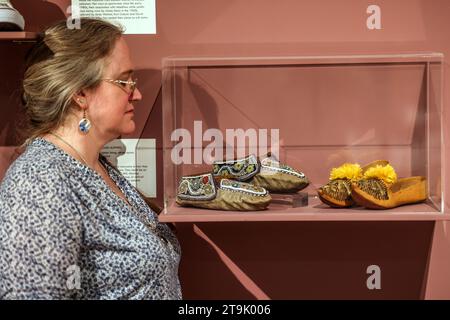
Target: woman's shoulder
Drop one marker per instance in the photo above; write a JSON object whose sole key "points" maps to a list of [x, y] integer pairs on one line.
{"points": [[39, 163], [38, 184]]}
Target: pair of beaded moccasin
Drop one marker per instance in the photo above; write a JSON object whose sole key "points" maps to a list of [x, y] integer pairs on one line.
{"points": [[240, 185], [374, 186]]}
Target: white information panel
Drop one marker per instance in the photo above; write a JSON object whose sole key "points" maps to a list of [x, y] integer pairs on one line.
{"points": [[136, 160], [136, 16]]}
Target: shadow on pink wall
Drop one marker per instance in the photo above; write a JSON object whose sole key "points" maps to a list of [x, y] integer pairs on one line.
{"points": [[310, 260]]}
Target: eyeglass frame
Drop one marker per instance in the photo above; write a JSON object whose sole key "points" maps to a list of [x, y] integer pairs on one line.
{"points": [[119, 83]]}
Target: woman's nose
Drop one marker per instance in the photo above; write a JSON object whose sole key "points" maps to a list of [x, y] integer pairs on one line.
{"points": [[137, 95]]}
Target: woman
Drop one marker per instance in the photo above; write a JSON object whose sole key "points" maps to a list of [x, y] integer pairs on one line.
{"points": [[71, 226]]}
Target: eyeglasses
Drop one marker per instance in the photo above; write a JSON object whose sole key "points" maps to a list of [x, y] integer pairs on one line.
{"points": [[127, 86]]}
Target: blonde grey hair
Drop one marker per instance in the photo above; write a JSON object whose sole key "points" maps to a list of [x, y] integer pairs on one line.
{"points": [[63, 62]]}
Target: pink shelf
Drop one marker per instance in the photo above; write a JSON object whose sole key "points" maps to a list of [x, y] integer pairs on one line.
{"points": [[315, 211], [23, 35]]}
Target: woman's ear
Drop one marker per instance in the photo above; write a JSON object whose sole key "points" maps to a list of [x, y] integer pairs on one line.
{"points": [[80, 99]]}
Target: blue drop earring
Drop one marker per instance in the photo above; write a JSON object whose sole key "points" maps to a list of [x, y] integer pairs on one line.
{"points": [[84, 125]]}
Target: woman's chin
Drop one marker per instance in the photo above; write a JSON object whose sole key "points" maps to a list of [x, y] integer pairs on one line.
{"points": [[128, 128]]}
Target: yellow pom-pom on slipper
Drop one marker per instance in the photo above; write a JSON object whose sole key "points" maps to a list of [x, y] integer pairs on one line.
{"points": [[385, 173], [350, 171]]}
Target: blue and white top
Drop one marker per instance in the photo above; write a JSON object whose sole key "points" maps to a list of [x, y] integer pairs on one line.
{"points": [[64, 234]]}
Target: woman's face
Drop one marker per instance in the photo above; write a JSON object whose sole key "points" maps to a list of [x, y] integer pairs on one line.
{"points": [[110, 107]]}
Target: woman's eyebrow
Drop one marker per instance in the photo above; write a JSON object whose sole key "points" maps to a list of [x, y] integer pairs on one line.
{"points": [[127, 72]]}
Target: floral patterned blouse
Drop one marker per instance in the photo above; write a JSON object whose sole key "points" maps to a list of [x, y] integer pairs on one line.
{"points": [[64, 234]]}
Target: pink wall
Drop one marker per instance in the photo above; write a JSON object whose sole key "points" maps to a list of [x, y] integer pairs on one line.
{"points": [[278, 260]]}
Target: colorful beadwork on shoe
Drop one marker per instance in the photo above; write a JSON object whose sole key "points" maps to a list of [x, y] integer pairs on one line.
{"points": [[242, 187], [273, 165], [375, 187], [339, 189], [197, 187], [241, 169]]}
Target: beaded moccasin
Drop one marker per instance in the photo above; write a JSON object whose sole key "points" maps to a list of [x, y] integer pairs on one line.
{"points": [[203, 191], [267, 173]]}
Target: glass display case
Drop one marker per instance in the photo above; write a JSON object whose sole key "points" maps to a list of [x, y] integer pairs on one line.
{"points": [[313, 113]]}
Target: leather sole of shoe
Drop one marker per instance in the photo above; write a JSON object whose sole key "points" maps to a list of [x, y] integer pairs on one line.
{"points": [[333, 202], [417, 195], [362, 201]]}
